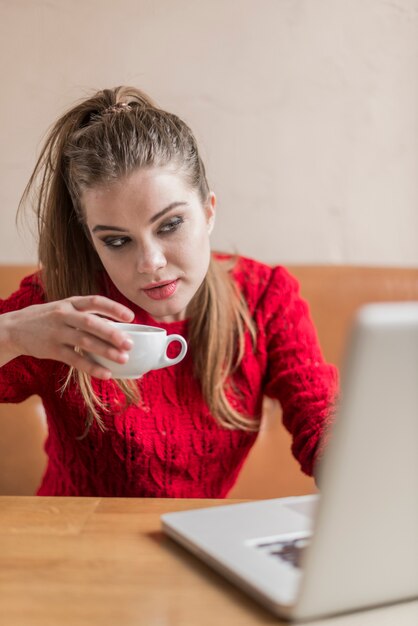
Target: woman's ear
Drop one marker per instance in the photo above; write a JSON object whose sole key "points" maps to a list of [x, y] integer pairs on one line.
{"points": [[210, 210]]}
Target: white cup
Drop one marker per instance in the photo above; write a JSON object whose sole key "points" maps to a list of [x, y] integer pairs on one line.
{"points": [[149, 351]]}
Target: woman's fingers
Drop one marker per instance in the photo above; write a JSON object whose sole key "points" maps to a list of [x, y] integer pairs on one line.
{"points": [[80, 362], [93, 326], [90, 343], [103, 306], [52, 330]]}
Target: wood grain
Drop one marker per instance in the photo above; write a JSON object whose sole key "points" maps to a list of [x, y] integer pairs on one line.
{"points": [[88, 561]]}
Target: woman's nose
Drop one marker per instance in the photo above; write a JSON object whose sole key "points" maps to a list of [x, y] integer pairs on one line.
{"points": [[150, 259]]}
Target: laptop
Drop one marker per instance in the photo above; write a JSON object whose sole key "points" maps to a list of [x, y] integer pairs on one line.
{"points": [[356, 544]]}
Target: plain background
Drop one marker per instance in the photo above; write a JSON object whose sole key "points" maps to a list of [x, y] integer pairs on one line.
{"points": [[305, 110]]}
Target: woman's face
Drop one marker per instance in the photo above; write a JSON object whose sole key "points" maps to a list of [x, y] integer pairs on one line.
{"points": [[151, 233]]}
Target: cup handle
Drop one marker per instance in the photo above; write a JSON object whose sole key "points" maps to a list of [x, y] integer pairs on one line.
{"points": [[165, 361]]}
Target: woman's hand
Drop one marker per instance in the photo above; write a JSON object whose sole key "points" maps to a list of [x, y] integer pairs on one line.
{"points": [[55, 330]]}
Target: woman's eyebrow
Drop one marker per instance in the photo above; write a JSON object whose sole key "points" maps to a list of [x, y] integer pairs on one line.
{"points": [[157, 216], [100, 227], [173, 205]]}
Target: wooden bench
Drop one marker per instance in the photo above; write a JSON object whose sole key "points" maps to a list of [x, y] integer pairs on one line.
{"points": [[334, 294]]}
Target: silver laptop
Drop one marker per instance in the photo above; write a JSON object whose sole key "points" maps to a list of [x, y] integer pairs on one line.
{"points": [[355, 545]]}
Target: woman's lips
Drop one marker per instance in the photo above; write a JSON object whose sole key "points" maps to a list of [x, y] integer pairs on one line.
{"points": [[162, 291]]}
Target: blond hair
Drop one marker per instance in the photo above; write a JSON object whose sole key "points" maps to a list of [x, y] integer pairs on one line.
{"points": [[100, 140]]}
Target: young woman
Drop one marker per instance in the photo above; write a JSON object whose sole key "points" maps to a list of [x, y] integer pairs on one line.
{"points": [[125, 214]]}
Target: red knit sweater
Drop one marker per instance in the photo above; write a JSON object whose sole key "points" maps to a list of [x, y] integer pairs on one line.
{"points": [[170, 445]]}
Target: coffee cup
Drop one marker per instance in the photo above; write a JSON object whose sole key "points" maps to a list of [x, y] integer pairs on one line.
{"points": [[148, 352]]}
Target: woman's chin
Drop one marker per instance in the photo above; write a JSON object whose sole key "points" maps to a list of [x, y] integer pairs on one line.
{"points": [[166, 312]]}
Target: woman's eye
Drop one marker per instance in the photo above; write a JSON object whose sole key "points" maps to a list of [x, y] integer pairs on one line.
{"points": [[115, 242], [170, 226]]}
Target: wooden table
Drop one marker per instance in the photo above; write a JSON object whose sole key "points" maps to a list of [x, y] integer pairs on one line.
{"points": [[88, 561]]}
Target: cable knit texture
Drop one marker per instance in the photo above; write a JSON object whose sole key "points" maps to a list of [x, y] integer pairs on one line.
{"points": [[170, 445]]}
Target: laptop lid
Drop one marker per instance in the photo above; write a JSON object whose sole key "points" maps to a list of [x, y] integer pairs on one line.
{"points": [[364, 549]]}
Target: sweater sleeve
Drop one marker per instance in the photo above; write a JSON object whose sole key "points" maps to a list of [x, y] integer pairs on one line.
{"points": [[22, 377], [297, 374]]}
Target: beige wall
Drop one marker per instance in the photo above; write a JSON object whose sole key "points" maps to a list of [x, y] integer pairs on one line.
{"points": [[306, 111]]}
